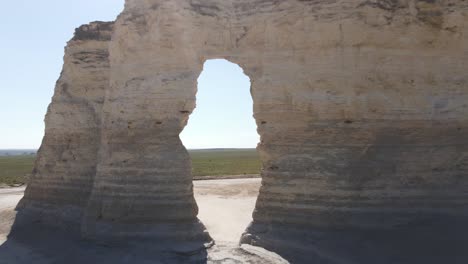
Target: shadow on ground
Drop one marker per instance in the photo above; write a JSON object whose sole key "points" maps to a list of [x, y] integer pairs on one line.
{"points": [[34, 241], [45, 245], [39, 244], [430, 244], [434, 241]]}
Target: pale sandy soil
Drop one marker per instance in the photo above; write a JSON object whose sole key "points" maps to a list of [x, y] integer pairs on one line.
{"points": [[9, 197], [225, 207]]}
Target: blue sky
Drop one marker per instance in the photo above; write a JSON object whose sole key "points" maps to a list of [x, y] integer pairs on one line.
{"points": [[32, 39], [224, 114]]}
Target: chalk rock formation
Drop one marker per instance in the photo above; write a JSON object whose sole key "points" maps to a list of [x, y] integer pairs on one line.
{"points": [[362, 108], [66, 165]]}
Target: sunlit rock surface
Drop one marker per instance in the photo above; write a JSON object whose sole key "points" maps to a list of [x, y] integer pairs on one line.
{"points": [[362, 108], [65, 169]]}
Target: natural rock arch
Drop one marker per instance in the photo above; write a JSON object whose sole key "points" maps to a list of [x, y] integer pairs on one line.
{"points": [[361, 107]]}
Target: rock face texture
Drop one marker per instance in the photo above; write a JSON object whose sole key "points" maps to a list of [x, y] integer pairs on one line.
{"points": [[66, 165], [362, 108]]}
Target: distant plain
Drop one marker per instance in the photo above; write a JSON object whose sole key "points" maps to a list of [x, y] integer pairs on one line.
{"points": [[207, 163]]}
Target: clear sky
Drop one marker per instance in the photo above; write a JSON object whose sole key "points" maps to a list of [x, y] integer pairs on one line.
{"points": [[224, 114], [32, 39]]}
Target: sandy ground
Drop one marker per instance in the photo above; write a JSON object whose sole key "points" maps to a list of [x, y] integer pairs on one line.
{"points": [[225, 207], [9, 197]]}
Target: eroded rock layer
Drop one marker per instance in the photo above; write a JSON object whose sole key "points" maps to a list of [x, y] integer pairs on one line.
{"points": [[66, 165], [362, 108]]}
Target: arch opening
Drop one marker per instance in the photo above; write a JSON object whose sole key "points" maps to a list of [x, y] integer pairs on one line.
{"points": [[221, 137]]}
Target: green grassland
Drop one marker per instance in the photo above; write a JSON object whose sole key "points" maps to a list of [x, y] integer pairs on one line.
{"points": [[219, 162], [15, 169], [214, 162]]}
